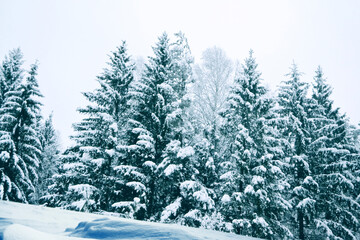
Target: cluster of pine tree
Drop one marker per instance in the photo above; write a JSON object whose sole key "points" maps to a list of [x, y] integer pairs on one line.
{"points": [[159, 146]]}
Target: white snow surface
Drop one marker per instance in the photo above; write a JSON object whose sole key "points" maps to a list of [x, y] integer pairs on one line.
{"points": [[18, 231], [28, 222]]}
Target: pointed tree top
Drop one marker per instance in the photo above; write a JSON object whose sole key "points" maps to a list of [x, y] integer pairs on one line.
{"points": [[294, 72]]}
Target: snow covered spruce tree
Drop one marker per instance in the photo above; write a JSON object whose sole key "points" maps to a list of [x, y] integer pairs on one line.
{"points": [[161, 132], [196, 204], [297, 129], [252, 179], [97, 138], [20, 148], [334, 162], [153, 98]]}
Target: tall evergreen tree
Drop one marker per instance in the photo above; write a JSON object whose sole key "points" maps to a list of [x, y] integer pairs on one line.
{"points": [[294, 109], [98, 136], [19, 144], [99, 133], [152, 97], [334, 162], [188, 198], [253, 181], [160, 127]]}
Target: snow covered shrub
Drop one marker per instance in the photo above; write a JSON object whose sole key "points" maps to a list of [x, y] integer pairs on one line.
{"points": [[197, 203], [192, 218], [171, 211], [83, 197], [130, 209]]}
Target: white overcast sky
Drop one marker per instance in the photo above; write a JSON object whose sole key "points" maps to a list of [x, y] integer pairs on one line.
{"points": [[71, 40]]}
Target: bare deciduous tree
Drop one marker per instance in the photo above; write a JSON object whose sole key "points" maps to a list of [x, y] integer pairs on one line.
{"points": [[211, 83]]}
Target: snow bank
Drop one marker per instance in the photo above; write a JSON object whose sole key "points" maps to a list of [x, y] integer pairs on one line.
{"points": [[111, 229], [28, 222], [20, 232]]}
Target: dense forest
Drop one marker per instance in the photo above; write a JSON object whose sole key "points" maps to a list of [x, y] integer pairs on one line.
{"points": [[199, 144]]}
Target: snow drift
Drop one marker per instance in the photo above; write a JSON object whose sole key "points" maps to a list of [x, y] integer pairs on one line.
{"points": [[28, 222]]}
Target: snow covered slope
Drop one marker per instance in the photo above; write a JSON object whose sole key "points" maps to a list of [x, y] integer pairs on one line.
{"points": [[28, 222]]}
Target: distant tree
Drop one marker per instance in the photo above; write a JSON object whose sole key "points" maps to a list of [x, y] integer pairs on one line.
{"points": [[139, 68], [210, 89], [212, 78], [49, 161]]}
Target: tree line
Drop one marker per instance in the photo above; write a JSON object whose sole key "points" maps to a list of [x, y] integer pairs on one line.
{"points": [[203, 145]]}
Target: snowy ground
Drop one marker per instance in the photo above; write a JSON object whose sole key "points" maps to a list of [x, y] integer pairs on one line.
{"points": [[28, 222]]}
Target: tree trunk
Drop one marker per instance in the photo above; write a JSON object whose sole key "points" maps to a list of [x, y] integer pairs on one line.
{"points": [[301, 224]]}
